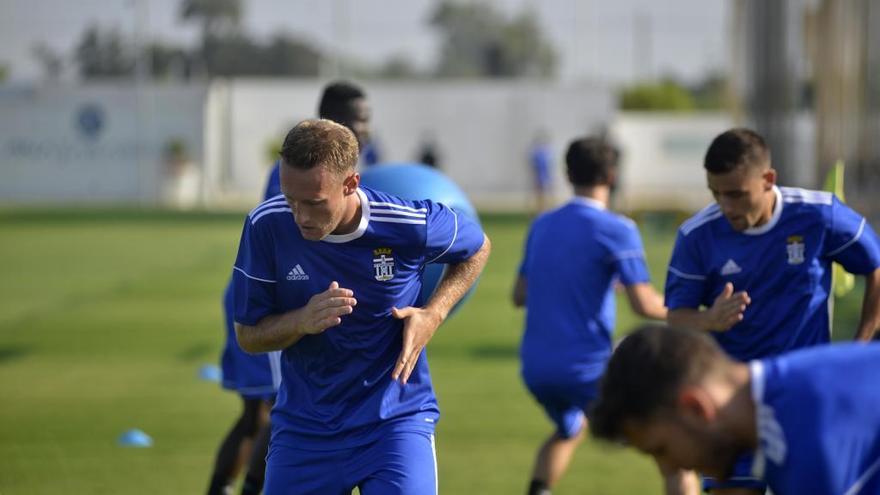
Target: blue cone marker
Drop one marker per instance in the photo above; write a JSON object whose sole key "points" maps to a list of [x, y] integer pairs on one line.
{"points": [[211, 373], [135, 438]]}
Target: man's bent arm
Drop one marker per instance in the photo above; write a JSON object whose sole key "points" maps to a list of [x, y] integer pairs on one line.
{"points": [[457, 280], [646, 301], [280, 331], [870, 307], [272, 333], [519, 292], [689, 318], [421, 323], [725, 312]]}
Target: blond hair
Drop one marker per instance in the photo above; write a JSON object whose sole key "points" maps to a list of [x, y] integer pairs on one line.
{"points": [[320, 142]]}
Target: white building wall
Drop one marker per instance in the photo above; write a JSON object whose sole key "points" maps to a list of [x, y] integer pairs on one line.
{"points": [[662, 161], [95, 143], [105, 142], [483, 129]]}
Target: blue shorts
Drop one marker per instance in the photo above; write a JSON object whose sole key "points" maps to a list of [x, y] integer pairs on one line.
{"points": [[543, 180], [253, 376], [398, 463], [741, 477], [565, 403]]}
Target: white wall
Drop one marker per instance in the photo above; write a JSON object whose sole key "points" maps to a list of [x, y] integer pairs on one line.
{"points": [[483, 129], [662, 162], [663, 154], [95, 143]]}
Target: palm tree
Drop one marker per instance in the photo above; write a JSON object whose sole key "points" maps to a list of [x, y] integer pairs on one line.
{"points": [[218, 18]]}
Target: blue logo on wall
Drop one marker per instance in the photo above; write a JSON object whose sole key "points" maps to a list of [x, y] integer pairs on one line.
{"points": [[90, 120]]}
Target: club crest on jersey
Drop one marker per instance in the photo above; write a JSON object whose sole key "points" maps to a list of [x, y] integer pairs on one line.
{"points": [[795, 249], [383, 263]]}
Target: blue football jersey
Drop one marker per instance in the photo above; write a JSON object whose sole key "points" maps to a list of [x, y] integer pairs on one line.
{"points": [[336, 386], [573, 256], [273, 184], [253, 376], [784, 265], [818, 420]]}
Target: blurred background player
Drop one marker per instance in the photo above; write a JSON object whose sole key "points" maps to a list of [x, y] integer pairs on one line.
{"points": [[429, 150], [342, 102], [255, 377], [328, 273], [541, 164], [574, 255], [759, 261], [811, 417]]}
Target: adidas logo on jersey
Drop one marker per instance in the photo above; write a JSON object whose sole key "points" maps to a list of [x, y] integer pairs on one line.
{"points": [[730, 268], [297, 273]]}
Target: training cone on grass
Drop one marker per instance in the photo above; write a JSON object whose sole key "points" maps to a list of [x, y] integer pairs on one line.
{"points": [[210, 373], [135, 438]]}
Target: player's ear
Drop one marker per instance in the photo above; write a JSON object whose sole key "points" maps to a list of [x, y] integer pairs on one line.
{"points": [[351, 183], [769, 176], [694, 403], [612, 177]]}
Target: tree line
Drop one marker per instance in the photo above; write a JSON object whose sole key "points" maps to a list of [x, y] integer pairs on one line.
{"points": [[477, 41]]}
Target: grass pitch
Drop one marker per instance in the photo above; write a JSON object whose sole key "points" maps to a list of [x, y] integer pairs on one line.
{"points": [[106, 316]]}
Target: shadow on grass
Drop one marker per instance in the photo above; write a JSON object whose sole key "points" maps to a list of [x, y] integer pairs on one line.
{"points": [[495, 351], [196, 352], [12, 353]]}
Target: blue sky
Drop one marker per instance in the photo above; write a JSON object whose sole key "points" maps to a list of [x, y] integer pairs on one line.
{"points": [[595, 38]]}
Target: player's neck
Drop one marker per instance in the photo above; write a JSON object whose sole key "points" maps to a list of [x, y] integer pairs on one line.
{"points": [[352, 216], [596, 193], [740, 411], [769, 208]]}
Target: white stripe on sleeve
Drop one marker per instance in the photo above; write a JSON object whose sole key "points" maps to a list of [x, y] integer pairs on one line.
{"points": [[454, 236], [246, 274], [851, 241], [684, 275]]}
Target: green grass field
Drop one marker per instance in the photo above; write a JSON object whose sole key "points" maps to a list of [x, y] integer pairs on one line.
{"points": [[106, 316]]}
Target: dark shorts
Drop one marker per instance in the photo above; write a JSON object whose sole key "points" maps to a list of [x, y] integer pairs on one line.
{"points": [[543, 180]]}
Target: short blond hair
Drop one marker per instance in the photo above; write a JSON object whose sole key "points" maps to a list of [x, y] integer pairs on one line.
{"points": [[320, 142]]}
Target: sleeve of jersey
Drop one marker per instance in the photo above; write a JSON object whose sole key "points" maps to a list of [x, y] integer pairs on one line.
{"points": [[627, 255], [685, 279], [253, 276], [451, 237], [852, 242], [273, 184]]}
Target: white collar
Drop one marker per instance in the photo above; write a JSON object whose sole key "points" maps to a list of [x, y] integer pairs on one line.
{"points": [[774, 218], [362, 226], [756, 372], [592, 203]]}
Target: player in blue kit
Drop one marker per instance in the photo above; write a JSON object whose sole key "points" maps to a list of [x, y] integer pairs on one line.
{"points": [[574, 255], [811, 417], [328, 272], [758, 263], [541, 164], [256, 377]]}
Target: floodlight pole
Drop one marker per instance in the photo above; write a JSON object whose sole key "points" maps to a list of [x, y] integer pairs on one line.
{"points": [[141, 74]]}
